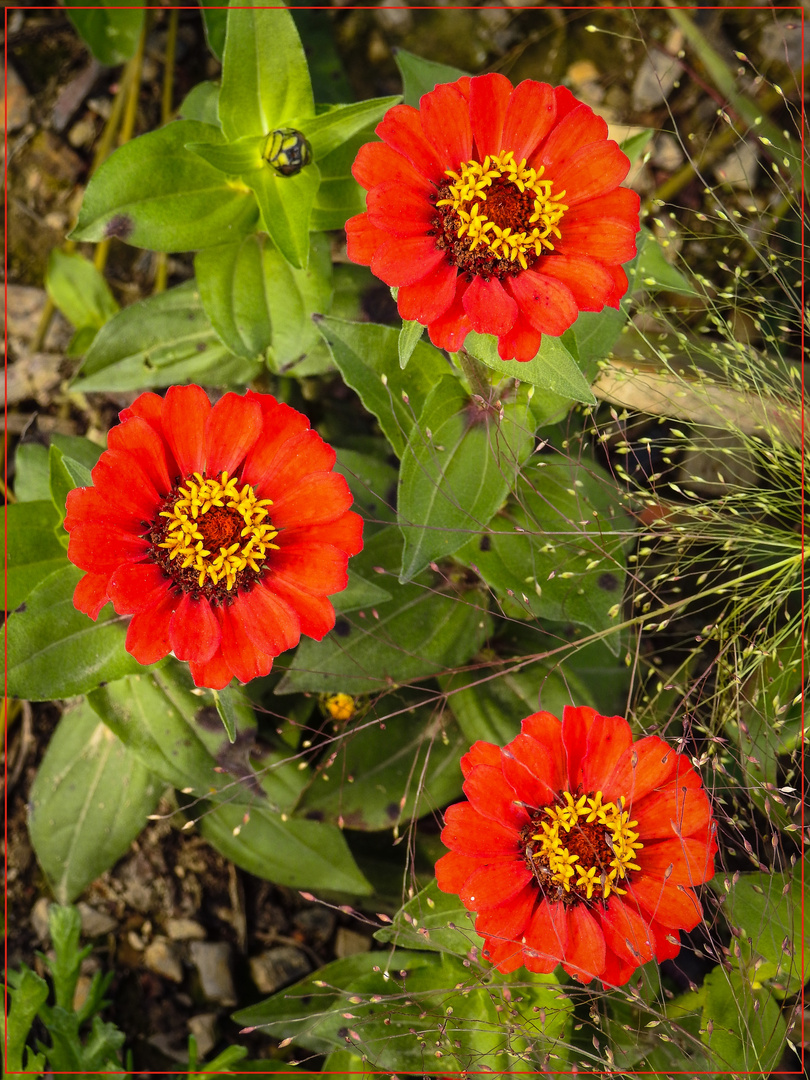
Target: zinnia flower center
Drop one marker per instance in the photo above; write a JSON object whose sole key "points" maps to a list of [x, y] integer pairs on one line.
{"points": [[580, 847], [211, 535], [497, 217]]}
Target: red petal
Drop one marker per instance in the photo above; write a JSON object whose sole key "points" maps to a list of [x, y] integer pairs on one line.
{"points": [[399, 210], [185, 411], [493, 797], [546, 937], [233, 426], [298, 457], [613, 242], [626, 933], [593, 170], [245, 661], [506, 956], [269, 622], [148, 633], [281, 423], [406, 261], [507, 922], [648, 764], [591, 283], [431, 297], [138, 438], [530, 770], [451, 328], [576, 130], [453, 869], [317, 500], [529, 117], [84, 506], [470, 833], [620, 285], [363, 239], [609, 738], [521, 343], [480, 753], [546, 729], [346, 533], [376, 163], [149, 407], [103, 548], [446, 122], [134, 588], [401, 128], [672, 905], [679, 862], [547, 304], [121, 482], [495, 884], [678, 809], [576, 723], [619, 205], [215, 673], [194, 630], [586, 952], [90, 594], [667, 941], [489, 101], [317, 569], [565, 101], [316, 616], [490, 308], [616, 972]]}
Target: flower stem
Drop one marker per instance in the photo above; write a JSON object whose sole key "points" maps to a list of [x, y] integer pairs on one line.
{"points": [[161, 260]]}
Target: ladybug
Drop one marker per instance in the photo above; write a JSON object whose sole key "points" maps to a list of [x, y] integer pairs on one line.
{"points": [[287, 151]]}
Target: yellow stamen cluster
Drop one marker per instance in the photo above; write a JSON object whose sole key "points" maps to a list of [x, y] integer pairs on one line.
{"points": [[531, 230], [218, 529], [576, 831]]}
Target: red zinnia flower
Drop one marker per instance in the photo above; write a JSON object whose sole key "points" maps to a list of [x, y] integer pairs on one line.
{"points": [[496, 209], [579, 846], [221, 530]]}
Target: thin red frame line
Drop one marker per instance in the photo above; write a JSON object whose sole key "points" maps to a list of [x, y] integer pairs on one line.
{"points": [[788, 8]]}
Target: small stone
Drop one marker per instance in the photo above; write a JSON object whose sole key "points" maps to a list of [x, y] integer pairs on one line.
{"points": [[739, 169], [82, 133], [278, 967], [95, 923], [348, 942], [393, 18], [19, 101], [667, 153], [161, 957], [204, 1029], [658, 73], [39, 919], [212, 961], [185, 930]]}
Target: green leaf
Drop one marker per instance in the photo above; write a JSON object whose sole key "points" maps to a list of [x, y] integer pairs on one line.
{"points": [[401, 769], [655, 273], [27, 993], [229, 703], [418, 633], [159, 341], [433, 920], [233, 159], [257, 301], [66, 474], [339, 196], [420, 76], [154, 193], [83, 451], [775, 924], [215, 20], [409, 335], [202, 101], [177, 733], [416, 998], [635, 145], [373, 484], [32, 478], [596, 332], [553, 368], [367, 356], [33, 548], [55, 651], [462, 458], [742, 1026], [90, 799], [285, 850], [265, 78], [111, 29], [359, 593], [286, 205], [557, 550], [329, 130], [79, 290]]}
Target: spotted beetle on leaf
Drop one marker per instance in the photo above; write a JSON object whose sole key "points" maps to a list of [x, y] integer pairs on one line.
{"points": [[287, 151]]}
